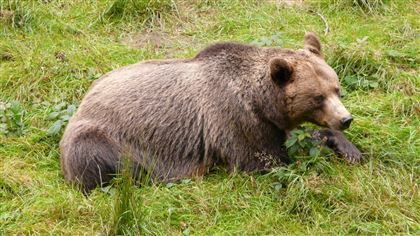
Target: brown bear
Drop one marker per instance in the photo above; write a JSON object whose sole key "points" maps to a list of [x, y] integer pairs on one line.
{"points": [[179, 118]]}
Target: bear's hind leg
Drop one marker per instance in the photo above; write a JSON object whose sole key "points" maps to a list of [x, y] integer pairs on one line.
{"points": [[89, 157]]}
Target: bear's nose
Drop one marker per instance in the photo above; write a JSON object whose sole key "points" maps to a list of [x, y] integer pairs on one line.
{"points": [[346, 121]]}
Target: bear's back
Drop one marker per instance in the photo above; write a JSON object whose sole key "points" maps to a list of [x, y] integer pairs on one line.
{"points": [[225, 49], [164, 91]]}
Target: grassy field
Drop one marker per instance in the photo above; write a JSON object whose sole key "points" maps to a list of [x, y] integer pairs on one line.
{"points": [[52, 50]]}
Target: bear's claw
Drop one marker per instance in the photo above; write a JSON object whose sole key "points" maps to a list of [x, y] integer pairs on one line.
{"points": [[347, 150]]}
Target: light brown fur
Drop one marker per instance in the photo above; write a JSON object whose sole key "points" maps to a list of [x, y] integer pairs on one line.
{"points": [[182, 117]]}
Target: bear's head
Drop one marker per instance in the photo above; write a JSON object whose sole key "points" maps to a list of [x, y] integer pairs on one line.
{"points": [[310, 87]]}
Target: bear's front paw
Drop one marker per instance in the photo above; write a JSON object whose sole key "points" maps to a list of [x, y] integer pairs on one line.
{"points": [[348, 151]]}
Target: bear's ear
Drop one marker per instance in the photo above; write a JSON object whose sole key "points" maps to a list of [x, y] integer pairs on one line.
{"points": [[280, 71], [312, 43]]}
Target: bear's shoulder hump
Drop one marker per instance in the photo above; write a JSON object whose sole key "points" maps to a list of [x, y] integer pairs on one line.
{"points": [[226, 47]]}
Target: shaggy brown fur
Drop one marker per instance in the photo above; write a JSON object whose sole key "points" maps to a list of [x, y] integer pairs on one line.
{"points": [[179, 118]]}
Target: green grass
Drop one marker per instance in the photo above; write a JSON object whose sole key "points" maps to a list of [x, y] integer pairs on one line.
{"points": [[52, 50]]}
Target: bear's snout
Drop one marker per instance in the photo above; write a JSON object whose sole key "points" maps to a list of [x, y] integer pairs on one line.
{"points": [[345, 122], [335, 114]]}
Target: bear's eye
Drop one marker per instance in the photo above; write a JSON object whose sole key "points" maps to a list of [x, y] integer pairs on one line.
{"points": [[319, 98], [337, 91]]}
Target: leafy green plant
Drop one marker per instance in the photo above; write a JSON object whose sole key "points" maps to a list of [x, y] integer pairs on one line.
{"points": [[273, 40], [300, 143], [11, 118], [308, 155], [358, 67], [61, 114], [353, 82], [291, 180]]}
